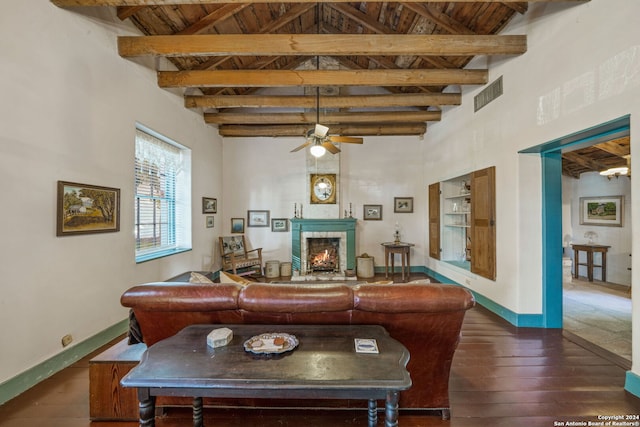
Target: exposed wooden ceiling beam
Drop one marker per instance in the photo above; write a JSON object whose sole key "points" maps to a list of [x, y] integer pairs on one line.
{"points": [[73, 3], [614, 147], [280, 78], [357, 101], [252, 118], [301, 130], [320, 44], [584, 161]]}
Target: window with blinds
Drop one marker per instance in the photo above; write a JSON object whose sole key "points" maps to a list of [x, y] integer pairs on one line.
{"points": [[162, 196]]}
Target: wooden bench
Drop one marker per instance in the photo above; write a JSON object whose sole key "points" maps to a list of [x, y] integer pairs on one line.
{"points": [[235, 256]]}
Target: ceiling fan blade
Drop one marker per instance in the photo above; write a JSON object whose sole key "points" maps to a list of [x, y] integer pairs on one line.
{"points": [[346, 139], [306, 144], [330, 147], [321, 130]]}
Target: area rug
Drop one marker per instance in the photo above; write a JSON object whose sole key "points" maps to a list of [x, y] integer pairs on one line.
{"points": [[599, 314]]}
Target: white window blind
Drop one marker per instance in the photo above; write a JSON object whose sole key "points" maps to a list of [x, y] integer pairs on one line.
{"points": [[162, 196]]}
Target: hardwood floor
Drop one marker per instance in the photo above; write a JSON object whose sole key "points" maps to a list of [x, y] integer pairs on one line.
{"points": [[501, 376]]}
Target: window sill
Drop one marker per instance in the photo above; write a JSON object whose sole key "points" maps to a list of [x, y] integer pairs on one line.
{"points": [[160, 254]]}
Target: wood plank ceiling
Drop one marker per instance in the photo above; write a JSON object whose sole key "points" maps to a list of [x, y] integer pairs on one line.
{"points": [[277, 67]]}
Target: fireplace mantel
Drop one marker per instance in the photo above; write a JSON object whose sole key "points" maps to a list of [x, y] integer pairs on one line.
{"points": [[301, 225]]}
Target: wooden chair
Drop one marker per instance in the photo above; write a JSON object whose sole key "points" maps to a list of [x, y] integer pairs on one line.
{"points": [[235, 255]]}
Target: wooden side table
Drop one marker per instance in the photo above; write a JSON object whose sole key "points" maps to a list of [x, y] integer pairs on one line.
{"points": [[392, 248], [589, 250]]}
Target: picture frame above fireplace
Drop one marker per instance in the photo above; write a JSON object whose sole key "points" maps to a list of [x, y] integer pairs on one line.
{"points": [[372, 212]]}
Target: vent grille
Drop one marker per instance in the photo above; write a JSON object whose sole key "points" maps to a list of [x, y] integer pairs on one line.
{"points": [[488, 94]]}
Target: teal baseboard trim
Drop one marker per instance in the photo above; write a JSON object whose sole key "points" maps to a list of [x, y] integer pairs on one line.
{"points": [[632, 383], [24, 381], [516, 319]]}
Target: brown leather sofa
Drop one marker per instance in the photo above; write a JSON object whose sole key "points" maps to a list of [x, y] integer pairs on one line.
{"points": [[426, 318]]}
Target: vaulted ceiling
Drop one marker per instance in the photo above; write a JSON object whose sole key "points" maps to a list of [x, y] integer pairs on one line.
{"points": [[277, 67]]}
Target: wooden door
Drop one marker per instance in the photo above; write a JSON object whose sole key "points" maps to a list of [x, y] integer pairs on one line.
{"points": [[434, 220], [483, 222]]}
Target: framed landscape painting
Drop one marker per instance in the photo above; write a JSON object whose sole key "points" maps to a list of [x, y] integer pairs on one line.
{"points": [[605, 210], [87, 209]]}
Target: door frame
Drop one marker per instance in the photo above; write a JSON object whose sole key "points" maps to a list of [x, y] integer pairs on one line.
{"points": [[551, 164]]}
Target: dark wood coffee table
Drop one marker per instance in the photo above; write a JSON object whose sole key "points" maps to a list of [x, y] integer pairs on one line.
{"points": [[325, 365]]}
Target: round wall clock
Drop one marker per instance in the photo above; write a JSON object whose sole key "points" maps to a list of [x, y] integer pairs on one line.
{"points": [[323, 188]]}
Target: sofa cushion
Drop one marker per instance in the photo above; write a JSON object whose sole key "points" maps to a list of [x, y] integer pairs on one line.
{"points": [[233, 278], [199, 278], [284, 298], [408, 298], [171, 296]]}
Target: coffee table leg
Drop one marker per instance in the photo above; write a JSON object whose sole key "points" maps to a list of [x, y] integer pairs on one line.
{"points": [[197, 412], [147, 408], [373, 413], [391, 409]]}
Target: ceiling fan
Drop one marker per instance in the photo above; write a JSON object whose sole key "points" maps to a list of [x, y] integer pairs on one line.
{"points": [[320, 142], [317, 137]]}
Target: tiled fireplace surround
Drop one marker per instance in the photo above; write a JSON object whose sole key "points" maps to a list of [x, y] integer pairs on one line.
{"points": [[344, 229]]}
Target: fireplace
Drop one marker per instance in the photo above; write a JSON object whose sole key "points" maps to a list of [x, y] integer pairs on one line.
{"points": [[323, 254], [338, 236]]}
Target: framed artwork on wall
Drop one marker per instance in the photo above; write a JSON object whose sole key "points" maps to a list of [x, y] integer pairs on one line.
{"points": [[372, 212], [604, 210], [403, 204], [257, 218], [209, 221], [209, 205], [87, 209], [237, 225], [279, 224]]}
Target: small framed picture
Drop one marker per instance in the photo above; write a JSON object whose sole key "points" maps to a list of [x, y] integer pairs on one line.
{"points": [[209, 219], [237, 225], [372, 212], [279, 224], [403, 204], [209, 205], [257, 218]]}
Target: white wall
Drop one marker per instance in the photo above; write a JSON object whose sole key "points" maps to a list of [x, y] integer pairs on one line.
{"points": [[580, 70], [619, 238], [68, 109], [261, 174]]}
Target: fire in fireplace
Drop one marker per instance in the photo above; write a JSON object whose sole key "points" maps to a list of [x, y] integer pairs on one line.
{"points": [[323, 254]]}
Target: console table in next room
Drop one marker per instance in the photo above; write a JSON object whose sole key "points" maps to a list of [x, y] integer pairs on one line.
{"points": [[589, 249]]}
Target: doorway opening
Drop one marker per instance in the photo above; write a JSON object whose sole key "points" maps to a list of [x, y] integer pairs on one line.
{"points": [[558, 226]]}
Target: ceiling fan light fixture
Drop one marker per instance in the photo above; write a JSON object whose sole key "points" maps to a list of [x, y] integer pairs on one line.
{"points": [[317, 150], [321, 130], [611, 172]]}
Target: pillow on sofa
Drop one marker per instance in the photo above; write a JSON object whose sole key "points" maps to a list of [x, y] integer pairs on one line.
{"points": [[199, 278], [233, 278]]}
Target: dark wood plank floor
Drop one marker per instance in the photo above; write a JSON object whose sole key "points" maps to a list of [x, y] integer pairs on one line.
{"points": [[501, 376]]}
